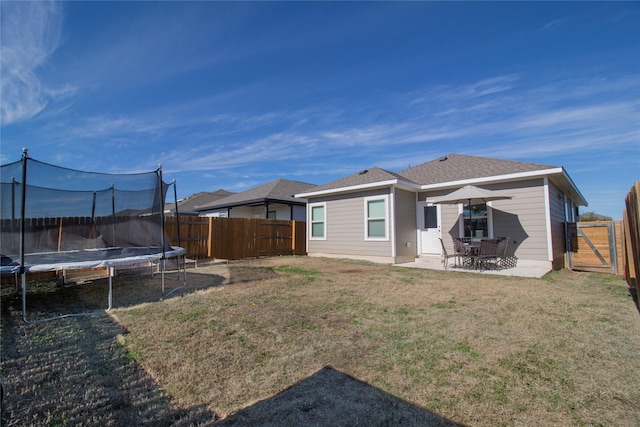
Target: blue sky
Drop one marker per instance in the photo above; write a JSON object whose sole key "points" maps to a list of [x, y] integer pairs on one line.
{"points": [[235, 94]]}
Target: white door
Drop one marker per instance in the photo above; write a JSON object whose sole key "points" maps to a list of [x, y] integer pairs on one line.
{"points": [[429, 228]]}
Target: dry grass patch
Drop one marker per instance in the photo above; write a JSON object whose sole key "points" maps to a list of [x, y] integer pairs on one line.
{"points": [[257, 337]]}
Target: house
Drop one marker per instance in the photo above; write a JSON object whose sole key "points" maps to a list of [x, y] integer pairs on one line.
{"points": [[189, 204], [273, 200], [390, 217]]}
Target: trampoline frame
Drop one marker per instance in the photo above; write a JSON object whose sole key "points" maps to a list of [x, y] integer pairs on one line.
{"points": [[111, 264]]}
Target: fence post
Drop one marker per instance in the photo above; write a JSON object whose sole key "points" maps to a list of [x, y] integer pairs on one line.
{"points": [[210, 239], [631, 220], [293, 237]]}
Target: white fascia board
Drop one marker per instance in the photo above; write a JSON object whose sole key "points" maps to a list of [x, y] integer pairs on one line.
{"points": [[578, 197], [368, 186], [490, 179], [573, 186]]}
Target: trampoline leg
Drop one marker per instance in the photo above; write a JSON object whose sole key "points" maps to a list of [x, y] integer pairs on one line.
{"points": [[162, 273], [184, 269], [23, 280], [110, 274]]}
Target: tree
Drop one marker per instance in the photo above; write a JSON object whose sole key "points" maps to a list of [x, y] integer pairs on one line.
{"points": [[592, 216]]}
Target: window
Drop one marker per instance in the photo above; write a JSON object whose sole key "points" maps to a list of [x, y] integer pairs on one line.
{"points": [[318, 221], [430, 217], [376, 218], [475, 220]]}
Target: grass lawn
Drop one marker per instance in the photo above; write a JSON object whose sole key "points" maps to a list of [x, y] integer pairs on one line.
{"points": [[312, 341]]}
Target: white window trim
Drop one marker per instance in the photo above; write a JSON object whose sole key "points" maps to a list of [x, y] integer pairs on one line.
{"points": [[489, 219], [310, 222], [384, 197]]}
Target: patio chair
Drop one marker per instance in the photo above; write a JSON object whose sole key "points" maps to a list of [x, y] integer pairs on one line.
{"points": [[487, 254], [463, 252], [446, 256], [501, 253], [504, 260], [501, 250]]}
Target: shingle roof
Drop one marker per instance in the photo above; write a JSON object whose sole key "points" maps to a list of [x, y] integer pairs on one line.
{"points": [[189, 203], [455, 167], [280, 190], [368, 176]]}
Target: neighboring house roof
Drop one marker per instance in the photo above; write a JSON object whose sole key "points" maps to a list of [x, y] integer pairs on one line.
{"points": [[280, 190], [190, 203], [453, 170]]}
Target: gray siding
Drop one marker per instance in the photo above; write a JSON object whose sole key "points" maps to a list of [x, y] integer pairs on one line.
{"points": [[345, 223], [405, 219], [558, 241], [521, 218]]}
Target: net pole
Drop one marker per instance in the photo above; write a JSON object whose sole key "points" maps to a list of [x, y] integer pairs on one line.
{"points": [[13, 198], [161, 199], [175, 197], [94, 224], [113, 214], [184, 256], [23, 273], [14, 226]]}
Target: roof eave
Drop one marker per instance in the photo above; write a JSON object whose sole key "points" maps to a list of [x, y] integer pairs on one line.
{"points": [[575, 193], [360, 187], [250, 202]]}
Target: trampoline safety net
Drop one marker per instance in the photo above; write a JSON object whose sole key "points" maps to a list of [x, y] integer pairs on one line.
{"points": [[65, 212], [54, 218]]}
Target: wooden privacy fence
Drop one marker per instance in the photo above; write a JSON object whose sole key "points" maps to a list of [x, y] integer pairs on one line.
{"points": [[194, 234], [237, 238], [631, 246], [597, 247], [611, 246]]}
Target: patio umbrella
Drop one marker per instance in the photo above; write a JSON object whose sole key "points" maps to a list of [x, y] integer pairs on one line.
{"points": [[470, 194]]}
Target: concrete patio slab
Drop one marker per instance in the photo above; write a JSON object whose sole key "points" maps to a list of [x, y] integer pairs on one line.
{"points": [[524, 270]]}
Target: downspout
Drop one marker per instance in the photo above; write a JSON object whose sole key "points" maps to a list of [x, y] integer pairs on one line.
{"points": [[392, 225], [418, 248], [567, 238], [547, 216]]}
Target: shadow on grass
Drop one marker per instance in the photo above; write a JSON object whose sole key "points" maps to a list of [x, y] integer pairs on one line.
{"points": [[332, 398], [633, 291], [242, 274], [50, 298], [72, 371]]}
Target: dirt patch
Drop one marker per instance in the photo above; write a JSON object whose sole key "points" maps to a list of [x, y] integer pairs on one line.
{"points": [[241, 274]]}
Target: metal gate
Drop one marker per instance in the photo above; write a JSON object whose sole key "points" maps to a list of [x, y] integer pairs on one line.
{"points": [[596, 248]]}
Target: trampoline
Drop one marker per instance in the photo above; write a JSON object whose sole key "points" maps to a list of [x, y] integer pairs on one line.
{"points": [[55, 219]]}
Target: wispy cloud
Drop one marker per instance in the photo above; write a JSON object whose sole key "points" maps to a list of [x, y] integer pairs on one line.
{"points": [[556, 23], [505, 116], [30, 33], [449, 93]]}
